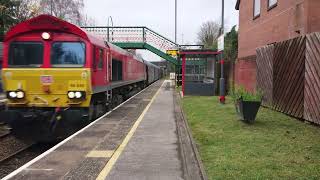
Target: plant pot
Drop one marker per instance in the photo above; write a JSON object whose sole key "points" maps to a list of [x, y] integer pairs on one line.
{"points": [[247, 110]]}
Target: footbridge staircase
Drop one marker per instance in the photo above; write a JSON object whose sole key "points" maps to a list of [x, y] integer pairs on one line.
{"points": [[137, 38]]}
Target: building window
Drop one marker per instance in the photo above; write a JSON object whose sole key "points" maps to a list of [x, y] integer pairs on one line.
{"points": [[256, 8], [272, 4]]}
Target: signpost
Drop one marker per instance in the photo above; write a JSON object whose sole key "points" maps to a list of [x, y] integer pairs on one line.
{"points": [[221, 43], [222, 80]]}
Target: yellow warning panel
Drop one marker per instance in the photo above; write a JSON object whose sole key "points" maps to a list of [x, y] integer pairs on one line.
{"points": [[100, 154]]}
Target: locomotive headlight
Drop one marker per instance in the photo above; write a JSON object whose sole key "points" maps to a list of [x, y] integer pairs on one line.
{"points": [[78, 95], [20, 94], [15, 94], [12, 94], [45, 36], [71, 95]]}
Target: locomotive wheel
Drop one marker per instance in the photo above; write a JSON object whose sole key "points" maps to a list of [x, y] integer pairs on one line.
{"points": [[92, 111], [117, 99]]}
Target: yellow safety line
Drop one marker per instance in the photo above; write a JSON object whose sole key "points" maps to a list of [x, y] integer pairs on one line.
{"points": [[106, 170]]}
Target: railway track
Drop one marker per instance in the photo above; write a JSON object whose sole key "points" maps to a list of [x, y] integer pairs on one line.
{"points": [[4, 130], [19, 157], [2, 104], [4, 135], [10, 146], [13, 154]]}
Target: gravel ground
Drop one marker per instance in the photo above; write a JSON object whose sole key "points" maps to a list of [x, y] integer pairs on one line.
{"points": [[11, 164], [9, 145]]}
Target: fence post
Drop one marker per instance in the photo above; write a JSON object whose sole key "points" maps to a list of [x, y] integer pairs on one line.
{"points": [[144, 34], [108, 36]]}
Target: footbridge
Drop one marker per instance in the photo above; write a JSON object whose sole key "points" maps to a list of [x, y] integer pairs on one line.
{"points": [[137, 38]]}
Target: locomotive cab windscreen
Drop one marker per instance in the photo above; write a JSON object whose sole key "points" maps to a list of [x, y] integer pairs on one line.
{"points": [[68, 54], [25, 54]]}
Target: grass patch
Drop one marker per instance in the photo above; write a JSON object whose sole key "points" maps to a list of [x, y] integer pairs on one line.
{"points": [[274, 147]]}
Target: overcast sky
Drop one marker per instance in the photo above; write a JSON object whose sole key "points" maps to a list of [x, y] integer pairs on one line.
{"points": [[159, 15]]}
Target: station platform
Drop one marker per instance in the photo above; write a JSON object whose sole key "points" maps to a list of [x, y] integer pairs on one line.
{"points": [[143, 138]]}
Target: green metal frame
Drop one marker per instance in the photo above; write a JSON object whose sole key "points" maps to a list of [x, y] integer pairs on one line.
{"points": [[139, 45]]}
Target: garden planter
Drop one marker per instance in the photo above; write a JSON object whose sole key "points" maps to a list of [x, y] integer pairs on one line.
{"points": [[247, 110]]}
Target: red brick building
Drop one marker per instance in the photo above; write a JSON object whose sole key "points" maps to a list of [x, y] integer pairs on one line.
{"points": [[263, 22]]}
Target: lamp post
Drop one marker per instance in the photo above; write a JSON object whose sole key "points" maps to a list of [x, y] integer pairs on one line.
{"points": [[222, 80], [175, 22]]}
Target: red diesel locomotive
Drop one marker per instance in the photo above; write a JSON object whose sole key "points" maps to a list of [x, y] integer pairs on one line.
{"points": [[57, 77]]}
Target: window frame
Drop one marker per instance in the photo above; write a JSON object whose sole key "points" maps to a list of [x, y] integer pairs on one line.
{"points": [[26, 66], [253, 12], [272, 6], [100, 63], [60, 66]]}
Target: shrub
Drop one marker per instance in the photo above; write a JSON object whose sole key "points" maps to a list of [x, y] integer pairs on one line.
{"points": [[241, 93]]}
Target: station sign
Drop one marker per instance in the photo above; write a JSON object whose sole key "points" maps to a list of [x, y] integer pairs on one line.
{"points": [[221, 43], [172, 52]]}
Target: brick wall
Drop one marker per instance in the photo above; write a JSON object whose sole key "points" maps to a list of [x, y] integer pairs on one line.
{"points": [[246, 73], [313, 16], [289, 19], [283, 22]]}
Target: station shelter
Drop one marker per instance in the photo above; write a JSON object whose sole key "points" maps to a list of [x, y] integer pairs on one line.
{"points": [[199, 72]]}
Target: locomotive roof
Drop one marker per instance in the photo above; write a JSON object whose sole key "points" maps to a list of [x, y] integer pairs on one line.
{"points": [[51, 23], [151, 64]]}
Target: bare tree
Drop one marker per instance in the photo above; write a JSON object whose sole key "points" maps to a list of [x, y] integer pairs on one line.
{"points": [[27, 9], [208, 34], [69, 10], [85, 20]]}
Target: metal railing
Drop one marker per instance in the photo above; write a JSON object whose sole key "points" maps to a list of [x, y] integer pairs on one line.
{"points": [[133, 35]]}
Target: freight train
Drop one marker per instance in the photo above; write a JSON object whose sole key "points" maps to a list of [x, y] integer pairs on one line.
{"points": [[58, 78]]}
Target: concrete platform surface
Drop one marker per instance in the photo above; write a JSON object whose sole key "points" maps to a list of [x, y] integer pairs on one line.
{"points": [[137, 141], [152, 153]]}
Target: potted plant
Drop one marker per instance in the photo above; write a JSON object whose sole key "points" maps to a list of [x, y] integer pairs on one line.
{"points": [[247, 103]]}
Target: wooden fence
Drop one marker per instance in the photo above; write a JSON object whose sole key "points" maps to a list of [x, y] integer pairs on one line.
{"points": [[288, 73], [265, 73]]}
